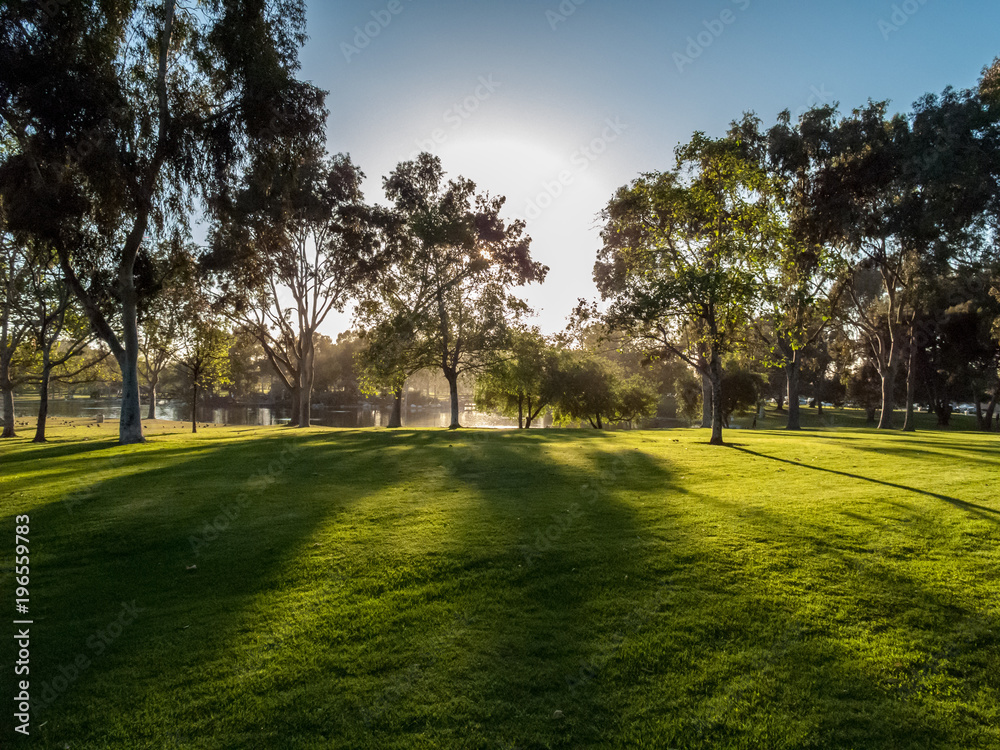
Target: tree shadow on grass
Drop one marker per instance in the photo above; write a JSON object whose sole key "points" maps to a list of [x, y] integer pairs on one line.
{"points": [[836, 641], [979, 510], [194, 539], [492, 620], [550, 626], [969, 441], [26, 451], [931, 450], [430, 589]]}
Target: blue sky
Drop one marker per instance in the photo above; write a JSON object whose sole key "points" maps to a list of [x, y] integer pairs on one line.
{"points": [[555, 104]]}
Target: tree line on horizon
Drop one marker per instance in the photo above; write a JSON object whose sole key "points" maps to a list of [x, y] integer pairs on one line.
{"points": [[852, 251], [868, 238]]}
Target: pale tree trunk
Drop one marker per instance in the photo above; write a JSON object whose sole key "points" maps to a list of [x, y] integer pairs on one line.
{"points": [[452, 378], [126, 349], [306, 373], [396, 417], [888, 369], [706, 401], [8, 408], [715, 367], [130, 424], [909, 424], [792, 371], [43, 404], [6, 355]]}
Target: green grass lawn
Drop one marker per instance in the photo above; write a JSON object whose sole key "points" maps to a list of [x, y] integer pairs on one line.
{"points": [[836, 588]]}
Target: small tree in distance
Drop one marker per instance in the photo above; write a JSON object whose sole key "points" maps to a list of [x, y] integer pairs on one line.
{"points": [[524, 382], [589, 387], [204, 357]]}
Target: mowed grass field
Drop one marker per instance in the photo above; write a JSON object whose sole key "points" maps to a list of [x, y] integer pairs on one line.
{"points": [[277, 588]]}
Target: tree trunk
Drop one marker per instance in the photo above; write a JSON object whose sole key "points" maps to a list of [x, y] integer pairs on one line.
{"points": [[43, 405], [600, 424], [396, 417], [194, 408], [452, 378], [780, 401], [130, 423], [706, 401], [7, 348], [986, 418], [8, 410], [792, 370], [151, 412], [888, 375], [306, 373], [909, 424], [296, 406], [715, 367], [520, 411], [940, 401]]}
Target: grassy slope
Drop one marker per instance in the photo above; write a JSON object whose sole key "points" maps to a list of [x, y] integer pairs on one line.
{"points": [[419, 589]]}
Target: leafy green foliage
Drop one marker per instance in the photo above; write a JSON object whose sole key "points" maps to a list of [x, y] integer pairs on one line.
{"points": [[204, 352], [680, 252], [146, 108], [523, 381], [740, 391], [590, 387], [445, 302]]}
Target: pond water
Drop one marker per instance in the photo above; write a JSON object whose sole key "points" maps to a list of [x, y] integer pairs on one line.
{"points": [[261, 415]]}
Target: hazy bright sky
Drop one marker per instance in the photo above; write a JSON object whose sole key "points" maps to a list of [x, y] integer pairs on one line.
{"points": [[554, 105]]}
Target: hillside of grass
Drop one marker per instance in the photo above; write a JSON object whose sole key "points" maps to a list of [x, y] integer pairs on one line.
{"points": [[269, 587]]}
